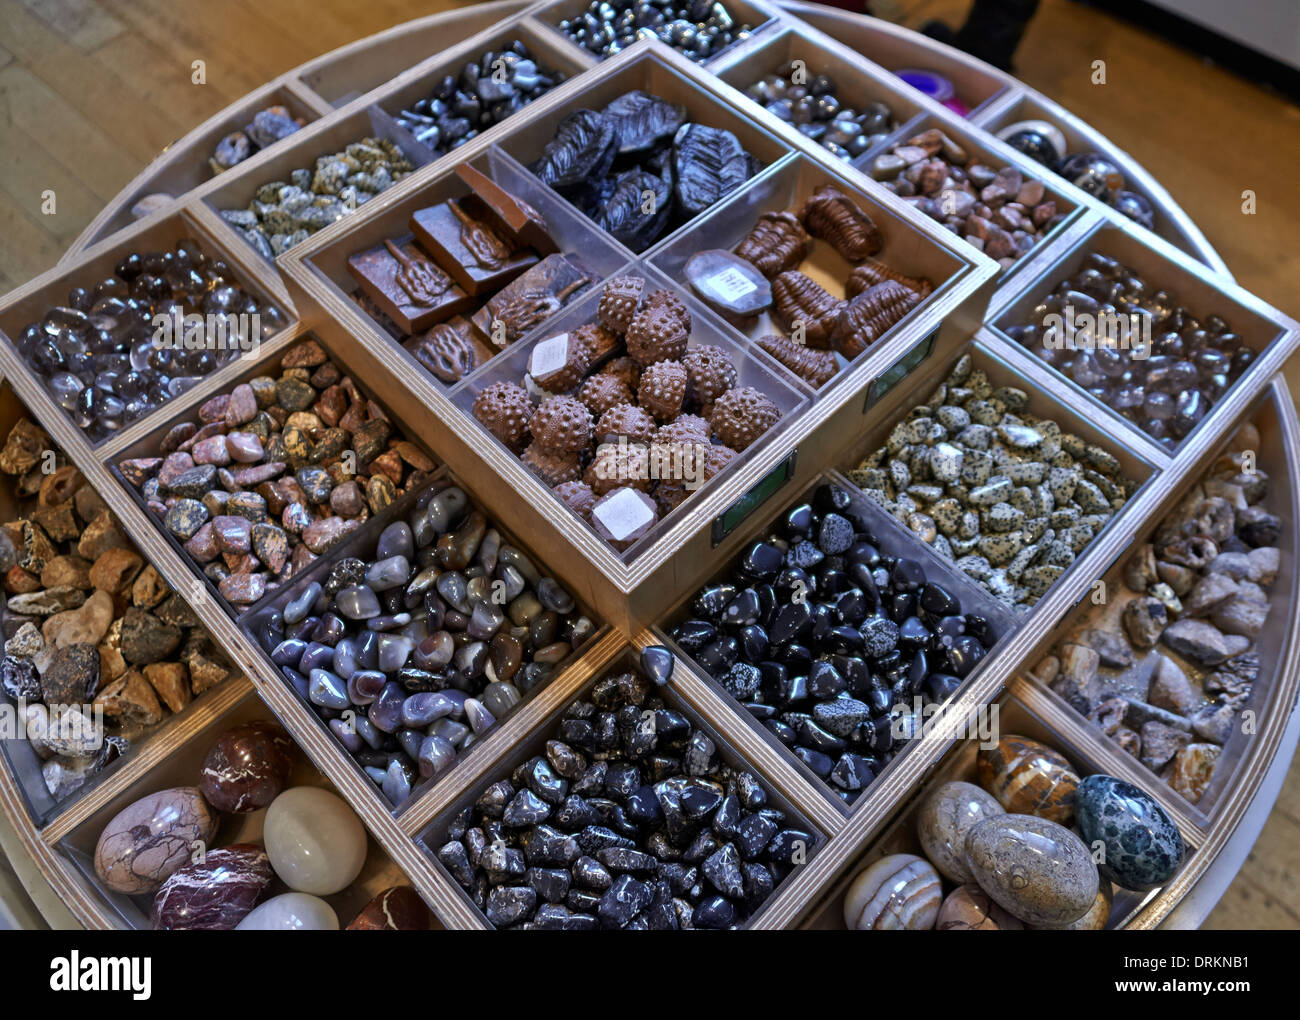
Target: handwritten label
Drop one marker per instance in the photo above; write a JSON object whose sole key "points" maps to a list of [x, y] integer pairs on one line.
{"points": [[728, 285], [549, 356]]}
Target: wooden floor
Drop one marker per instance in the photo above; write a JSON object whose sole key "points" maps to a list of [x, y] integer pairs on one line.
{"points": [[91, 90]]}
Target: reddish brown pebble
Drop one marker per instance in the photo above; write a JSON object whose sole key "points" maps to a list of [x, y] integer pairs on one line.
{"points": [[397, 909], [577, 496], [627, 420], [553, 468], [662, 389]]}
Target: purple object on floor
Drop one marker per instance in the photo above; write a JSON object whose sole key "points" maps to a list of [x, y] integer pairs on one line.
{"points": [[934, 85]]}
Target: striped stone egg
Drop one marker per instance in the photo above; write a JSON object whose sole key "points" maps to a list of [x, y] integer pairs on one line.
{"points": [[898, 892], [1029, 778]]}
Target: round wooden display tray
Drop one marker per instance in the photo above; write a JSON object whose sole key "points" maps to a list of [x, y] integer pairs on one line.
{"points": [[638, 597]]}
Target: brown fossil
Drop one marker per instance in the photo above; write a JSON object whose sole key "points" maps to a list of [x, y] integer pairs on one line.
{"points": [[815, 367], [480, 240], [872, 271], [800, 304], [445, 351], [423, 282], [778, 242], [831, 216], [521, 312], [863, 320]]}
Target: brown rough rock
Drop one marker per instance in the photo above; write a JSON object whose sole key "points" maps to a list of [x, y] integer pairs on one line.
{"points": [[171, 681], [114, 571]]}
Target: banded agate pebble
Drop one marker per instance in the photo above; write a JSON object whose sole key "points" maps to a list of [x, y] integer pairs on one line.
{"points": [[898, 892], [969, 908]]}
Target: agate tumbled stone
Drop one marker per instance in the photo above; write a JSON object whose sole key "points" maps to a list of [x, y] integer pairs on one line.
{"points": [[315, 841], [215, 893], [1143, 847], [1037, 870], [969, 908], [943, 821], [247, 768], [148, 840], [1029, 778], [898, 892]]}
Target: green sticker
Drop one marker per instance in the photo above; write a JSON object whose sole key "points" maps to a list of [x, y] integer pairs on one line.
{"points": [[727, 521], [896, 372]]}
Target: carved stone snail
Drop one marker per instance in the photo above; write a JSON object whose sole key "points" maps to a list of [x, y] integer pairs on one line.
{"points": [[872, 271], [831, 216], [777, 243], [800, 304]]}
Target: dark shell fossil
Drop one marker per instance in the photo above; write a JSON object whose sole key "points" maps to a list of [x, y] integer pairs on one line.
{"points": [[709, 163], [637, 210], [642, 121], [582, 150]]}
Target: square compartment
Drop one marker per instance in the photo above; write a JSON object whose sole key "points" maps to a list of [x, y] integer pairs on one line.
{"points": [[180, 169], [893, 541], [856, 85], [268, 362], [914, 389], [236, 189], [1273, 645], [1204, 298], [51, 290], [648, 71], [896, 48], [550, 54], [754, 13], [676, 698], [786, 187], [327, 265], [351, 71], [361, 544], [1081, 138], [977, 151], [752, 370], [182, 768], [22, 759], [958, 765]]}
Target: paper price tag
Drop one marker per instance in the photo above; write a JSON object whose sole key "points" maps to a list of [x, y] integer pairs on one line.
{"points": [[549, 356], [729, 285]]}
